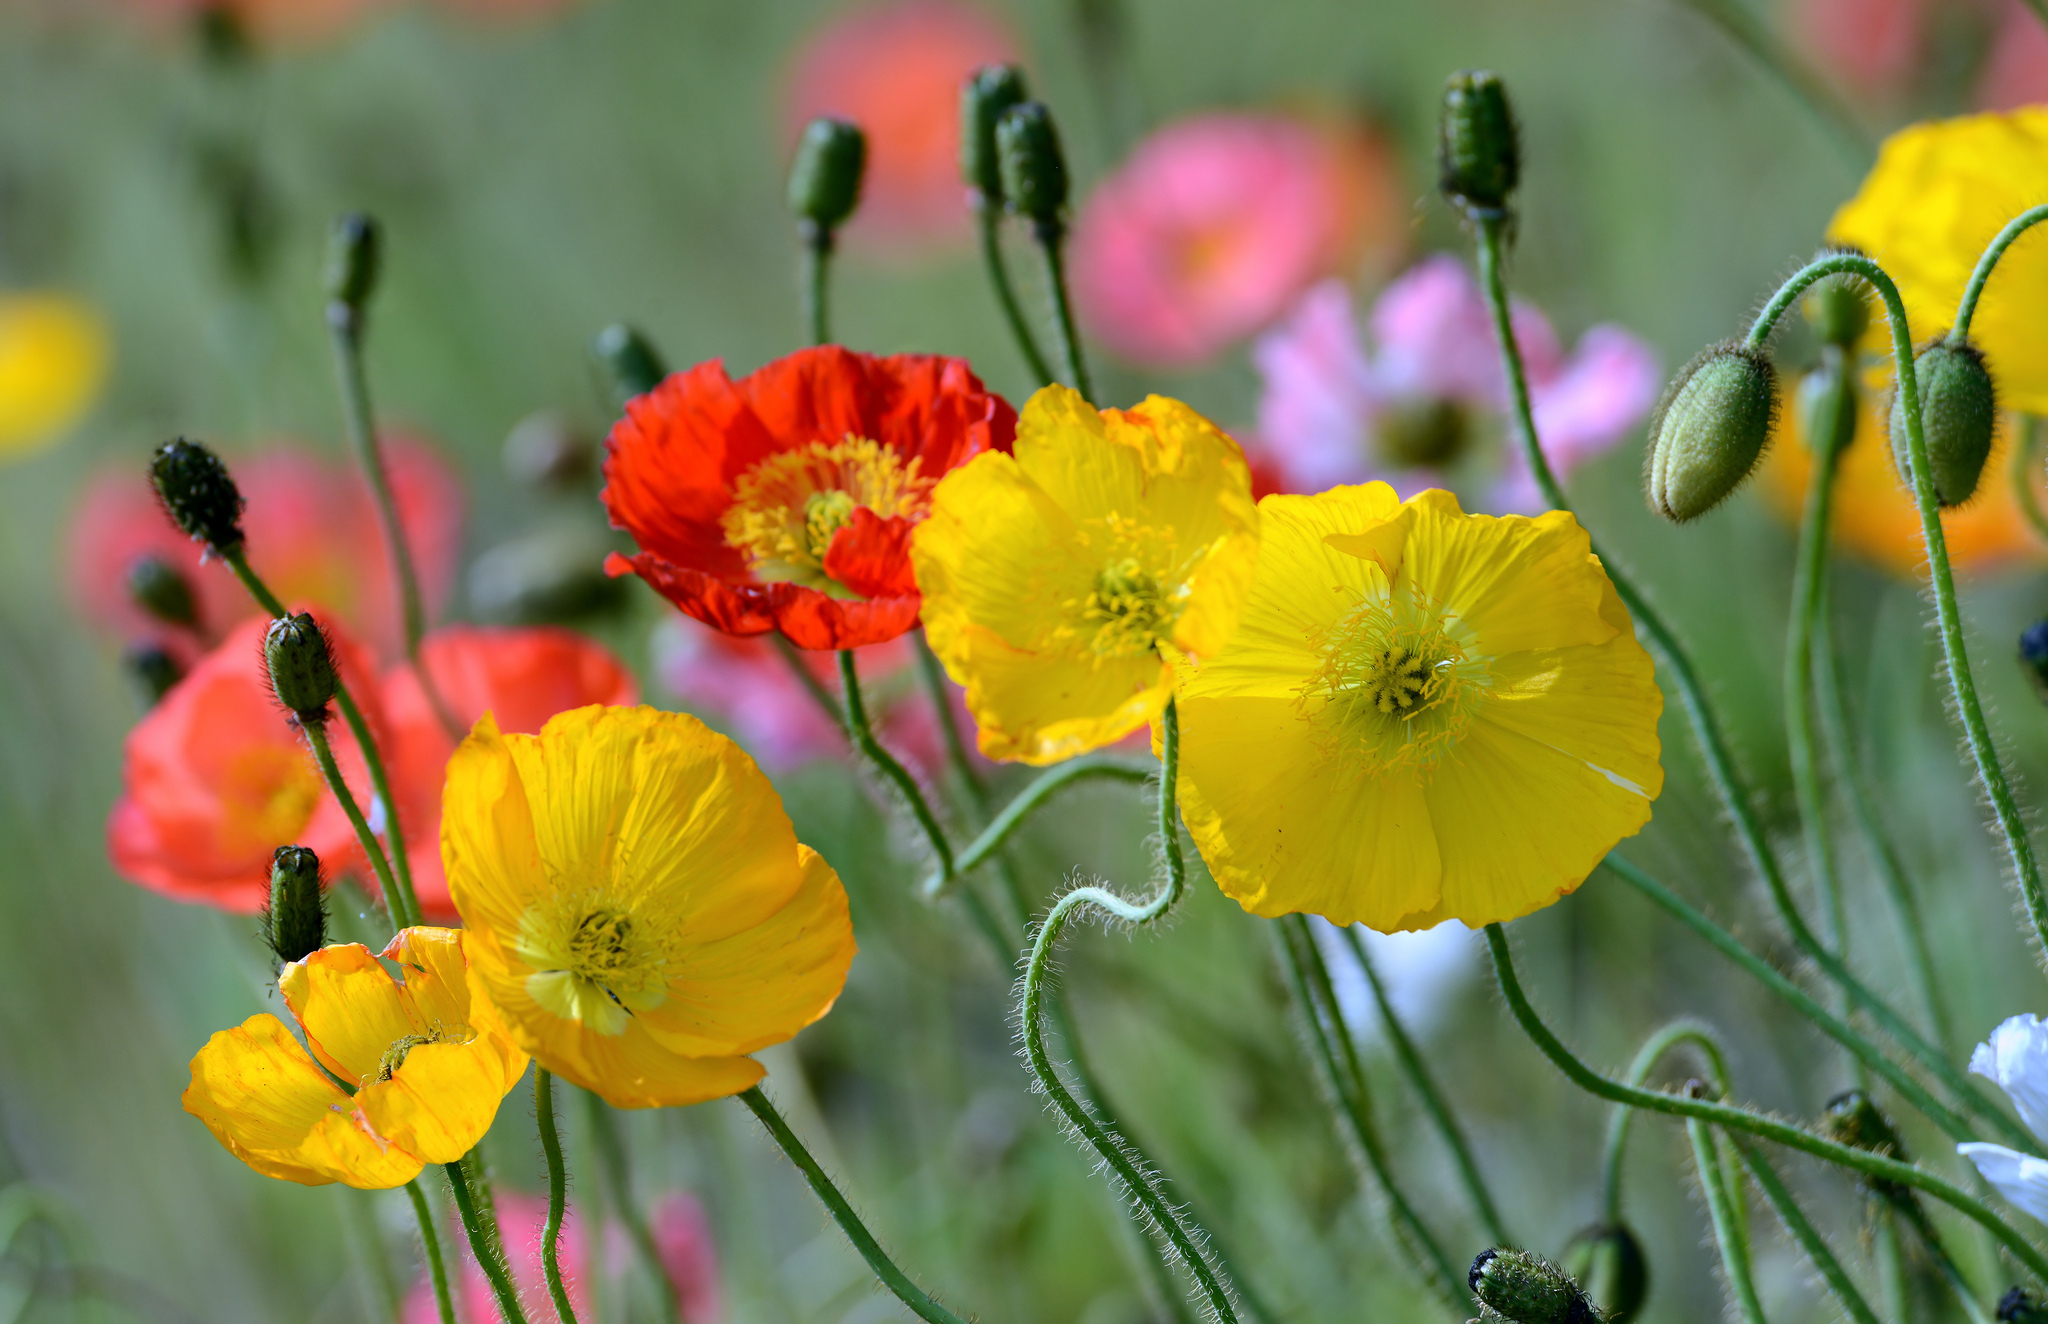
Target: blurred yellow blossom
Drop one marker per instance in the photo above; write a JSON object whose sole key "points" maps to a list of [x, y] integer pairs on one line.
{"points": [[53, 359]]}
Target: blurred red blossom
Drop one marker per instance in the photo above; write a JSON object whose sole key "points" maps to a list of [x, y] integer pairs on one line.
{"points": [[313, 535], [1215, 223], [2015, 72], [1871, 46], [896, 70]]}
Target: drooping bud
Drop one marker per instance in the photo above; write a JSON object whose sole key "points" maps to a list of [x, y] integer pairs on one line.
{"points": [[2034, 657], [1709, 429], [152, 672], [1034, 169], [1837, 309], [1528, 1289], [1829, 404], [987, 93], [627, 361], [157, 586], [302, 671], [1608, 1263], [1852, 1118], [545, 450], [355, 252], [2017, 1307], [824, 180], [294, 919], [198, 494], [1479, 152], [1958, 411]]}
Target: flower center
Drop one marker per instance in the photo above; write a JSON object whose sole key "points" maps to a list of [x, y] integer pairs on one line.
{"points": [[786, 509], [394, 1056], [1127, 609], [1397, 686], [593, 962]]}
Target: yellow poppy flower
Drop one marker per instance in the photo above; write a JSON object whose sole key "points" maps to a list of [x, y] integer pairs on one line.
{"points": [[1939, 194], [638, 905], [1424, 715], [1058, 580], [53, 357], [427, 1063]]}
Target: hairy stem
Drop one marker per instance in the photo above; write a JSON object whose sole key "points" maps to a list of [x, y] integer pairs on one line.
{"points": [[618, 1181], [988, 220], [481, 1226], [1987, 262], [2026, 457], [817, 286], [1653, 1050], [862, 733], [1012, 816], [323, 754], [1051, 238], [430, 1243], [558, 1192], [1803, 1232], [1729, 1234], [1809, 596]]}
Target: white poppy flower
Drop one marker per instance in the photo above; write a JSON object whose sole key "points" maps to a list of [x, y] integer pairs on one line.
{"points": [[2016, 1057]]}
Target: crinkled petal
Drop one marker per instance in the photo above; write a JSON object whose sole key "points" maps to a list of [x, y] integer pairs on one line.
{"points": [[350, 1007], [2015, 1057]]}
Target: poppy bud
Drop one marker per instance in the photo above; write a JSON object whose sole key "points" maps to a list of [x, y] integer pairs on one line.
{"points": [[294, 919], [1851, 1118], [1837, 310], [198, 494], [1479, 153], [1034, 170], [1828, 404], [1709, 429], [627, 361], [1609, 1262], [2016, 1307], [156, 586], [1958, 410], [824, 180], [1528, 1289], [301, 665], [151, 671], [988, 92], [354, 257], [2034, 657]]}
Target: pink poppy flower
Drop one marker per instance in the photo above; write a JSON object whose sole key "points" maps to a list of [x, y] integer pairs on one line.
{"points": [[1216, 223], [1334, 412], [1872, 46], [312, 534], [895, 70], [2016, 72]]}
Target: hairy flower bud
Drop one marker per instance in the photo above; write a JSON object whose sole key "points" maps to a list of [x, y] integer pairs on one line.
{"points": [[2017, 1307], [1608, 1262], [1034, 169], [1479, 153], [987, 93], [2034, 657], [1709, 429], [151, 671], [294, 919], [159, 588], [198, 494], [302, 671], [824, 180], [1528, 1289], [354, 258], [1837, 309], [1829, 404], [1958, 411], [1851, 1118], [627, 361]]}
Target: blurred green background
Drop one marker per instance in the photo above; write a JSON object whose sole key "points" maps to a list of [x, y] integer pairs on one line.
{"points": [[625, 160]]}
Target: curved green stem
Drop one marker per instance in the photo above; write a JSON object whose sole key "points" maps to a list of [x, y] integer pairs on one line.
{"points": [[1746, 31], [1944, 1263], [1809, 595], [1729, 1233], [1803, 1232], [618, 1180], [933, 676], [1742, 1119], [793, 657], [481, 1226], [1987, 261], [1962, 682], [1051, 238], [323, 754], [430, 1242], [1433, 1101], [898, 1282], [558, 1192], [1653, 1050], [988, 223], [2026, 455], [862, 733], [1027, 801], [817, 269]]}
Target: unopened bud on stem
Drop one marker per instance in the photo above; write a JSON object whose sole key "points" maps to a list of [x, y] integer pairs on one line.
{"points": [[301, 665], [152, 671], [1958, 412], [1479, 151], [627, 361], [355, 254], [198, 495], [294, 920], [1608, 1263], [1709, 430], [159, 588], [1528, 1289], [1851, 1118], [824, 179], [1034, 169], [1837, 309], [987, 93], [1829, 404]]}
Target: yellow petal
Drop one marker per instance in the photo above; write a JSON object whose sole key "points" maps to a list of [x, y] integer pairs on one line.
{"points": [[489, 850], [1520, 583], [1047, 708], [350, 1008], [439, 1101], [436, 973]]}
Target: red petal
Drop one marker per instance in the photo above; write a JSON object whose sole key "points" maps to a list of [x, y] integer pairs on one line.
{"points": [[871, 555]]}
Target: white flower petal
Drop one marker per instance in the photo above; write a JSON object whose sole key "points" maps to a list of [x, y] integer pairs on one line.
{"points": [[2016, 1057], [2021, 1178]]}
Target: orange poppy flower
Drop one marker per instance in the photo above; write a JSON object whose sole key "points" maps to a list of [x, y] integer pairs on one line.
{"points": [[213, 780], [785, 500], [522, 676]]}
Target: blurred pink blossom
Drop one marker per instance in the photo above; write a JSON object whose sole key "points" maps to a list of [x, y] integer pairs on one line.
{"points": [[1872, 46], [1334, 412], [2016, 73], [1216, 223]]}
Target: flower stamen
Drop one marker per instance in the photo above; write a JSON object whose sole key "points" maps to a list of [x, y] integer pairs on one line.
{"points": [[786, 509]]}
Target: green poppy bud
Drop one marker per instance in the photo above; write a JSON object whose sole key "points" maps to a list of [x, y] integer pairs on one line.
{"points": [[1528, 1289], [1479, 153], [1837, 309], [627, 362], [1033, 167], [1828, 404], [294, 919], [151, 671], [2016, 1307], [1958, 411], [1852, 1118], [824, 180], [1608, 1262], [197, 493], [354, 259], [302, 670], [1709, 429], [2034, 657], [988, 92], [157, 586]]}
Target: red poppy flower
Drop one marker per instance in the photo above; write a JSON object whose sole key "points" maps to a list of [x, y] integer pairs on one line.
{"points": [[214, 780], [524, 676], [785, 500]]}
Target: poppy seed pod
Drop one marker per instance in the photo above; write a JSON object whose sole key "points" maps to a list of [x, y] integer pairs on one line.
{"points": [[2034, 657], [1479, 154], [1828, 404], [294, 919], [1528, 1289], [1958, 412], [824, 179], [627, 361], [355, 253], [157, 586], [1034, 170], [1709, 429], [152, 672], [988, 92], [1608, 1261], [198, 494], [301, 665], [2016, 1307], [1837, 310]]}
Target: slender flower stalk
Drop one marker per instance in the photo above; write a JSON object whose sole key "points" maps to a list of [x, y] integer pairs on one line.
{"points": [[2026, 455], [862, 733], [1089, 767], [430, 1243], [1723, 1196], [1809, 600], [395, 902], [988, 221], [898, 1282], [793, 658], [1803, 1232], [1653, 1050], [618, 1180], [1987, 262], [558, 1192], [1053, 248], [481, 1226], [817, 267]]}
